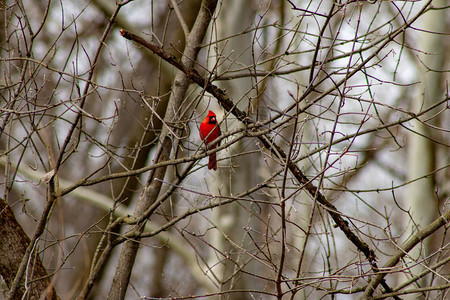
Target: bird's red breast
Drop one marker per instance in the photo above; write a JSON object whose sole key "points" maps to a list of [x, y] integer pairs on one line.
{"points": [[209, 131]]}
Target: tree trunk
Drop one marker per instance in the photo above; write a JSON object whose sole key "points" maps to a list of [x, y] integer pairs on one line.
{"points": [[154, 183], [13, 244]]}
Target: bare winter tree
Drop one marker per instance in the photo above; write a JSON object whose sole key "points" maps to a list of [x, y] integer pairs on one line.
{"points": [[333, 168]]}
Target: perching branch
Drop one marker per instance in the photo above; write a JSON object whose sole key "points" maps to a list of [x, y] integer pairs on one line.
{"points": [[267, 142]]}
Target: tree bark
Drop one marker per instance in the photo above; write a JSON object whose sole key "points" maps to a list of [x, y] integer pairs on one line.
{"points": [[13, 244]]}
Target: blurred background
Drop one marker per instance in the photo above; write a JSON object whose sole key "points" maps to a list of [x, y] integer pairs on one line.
{"points": [[354, 92]]}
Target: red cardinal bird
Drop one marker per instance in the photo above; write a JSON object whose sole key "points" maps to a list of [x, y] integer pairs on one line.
{"points": [[209, 131]]}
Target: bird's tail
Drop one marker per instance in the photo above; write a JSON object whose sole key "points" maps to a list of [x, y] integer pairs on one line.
{"points": [[212, 164]]}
